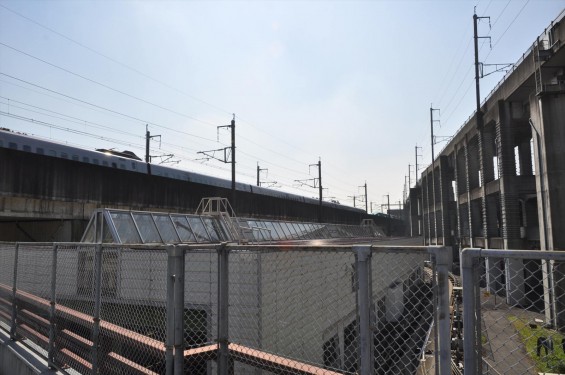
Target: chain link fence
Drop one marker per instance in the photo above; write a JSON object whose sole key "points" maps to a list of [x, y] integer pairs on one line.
{"points": [[228, 309], [514, 321]]}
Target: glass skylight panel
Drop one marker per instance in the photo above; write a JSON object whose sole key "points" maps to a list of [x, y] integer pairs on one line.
{"points": [[198, 229], [286, 231], [280, 231], [183, 228], [294, 229], [257, 232], [209, 223], [265, 233], [107, 236], [88, 235], [272, 231], [147, 228], [125, 227], [304, 232], [166, 228]]}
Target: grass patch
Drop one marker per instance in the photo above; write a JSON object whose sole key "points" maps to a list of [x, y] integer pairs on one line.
{"points": [[553, 362]]}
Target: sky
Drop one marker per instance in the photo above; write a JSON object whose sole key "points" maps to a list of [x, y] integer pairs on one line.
{"points": [[347, 83]]}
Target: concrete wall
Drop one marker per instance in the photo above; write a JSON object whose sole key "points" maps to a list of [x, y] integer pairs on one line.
{"points": [[47, 190]]}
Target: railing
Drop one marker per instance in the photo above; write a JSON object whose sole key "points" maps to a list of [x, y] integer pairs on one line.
{"points": [[513, 311], [239, 309]]}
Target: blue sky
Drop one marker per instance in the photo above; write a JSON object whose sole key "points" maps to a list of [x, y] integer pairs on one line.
{"points": [[350, 82]]}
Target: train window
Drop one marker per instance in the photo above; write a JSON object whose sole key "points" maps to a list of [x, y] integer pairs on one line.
{"points": [[85, 159], [133, 165], [1, 143], [114, 165], [64, 155], [75, 158], [122, 166], [40, 151], [104, 163], [52, 153], [95, 161], [27, 148], [13, 145]]}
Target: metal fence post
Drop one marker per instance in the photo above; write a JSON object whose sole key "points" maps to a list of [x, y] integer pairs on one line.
{"points": [[170, 340], [364, 293], [52, 303], [223, 321], [97, 302], [469, 340], [434, 308], [178, 253], [477, 315], [14, 290], [443, 322]]}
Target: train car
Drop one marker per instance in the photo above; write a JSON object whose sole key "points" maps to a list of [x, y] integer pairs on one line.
{"points": [[255, 199]]}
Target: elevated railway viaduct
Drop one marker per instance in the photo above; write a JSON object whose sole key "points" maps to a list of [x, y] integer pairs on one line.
{"points": [[502, 185], [44, 198]]}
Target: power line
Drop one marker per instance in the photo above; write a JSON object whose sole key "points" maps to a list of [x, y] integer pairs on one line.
{"points": [[82, 45], [104, 108], [511, 23], [106, 86], [114, 60]]}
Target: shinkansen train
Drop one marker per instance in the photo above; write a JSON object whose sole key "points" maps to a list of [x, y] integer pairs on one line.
{"points": [[127, 160]]}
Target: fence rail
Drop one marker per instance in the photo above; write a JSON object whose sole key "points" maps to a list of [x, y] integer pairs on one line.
{"points": [[243, 309], [513, 311]]}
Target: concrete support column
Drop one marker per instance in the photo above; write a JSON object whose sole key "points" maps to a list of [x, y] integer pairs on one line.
{"points": [[459, 176], [445, 187], [515, 291], [423, 208], [426, 209], [525, 154], [415, 222], [485, 142], [509, 205], [547, 113], [494, 268], [493, 229], [431, 207], [468, 191]]}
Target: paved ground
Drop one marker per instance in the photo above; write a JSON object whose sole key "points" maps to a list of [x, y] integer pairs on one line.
{"points": [[504, 349]]}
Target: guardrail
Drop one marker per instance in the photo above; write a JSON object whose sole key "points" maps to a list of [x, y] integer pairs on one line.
{"points": [[199, 309]]}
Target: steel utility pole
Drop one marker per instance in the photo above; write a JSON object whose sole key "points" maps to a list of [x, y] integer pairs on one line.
{"points": [[258, 173], [405, 187], [148, 137], [432, 204], [354, 199], [477, 77], [211, 155], [320, 189], [366, 201], [388, 214], [416, 165], [411, 203], [233, 159], [311, 182]]}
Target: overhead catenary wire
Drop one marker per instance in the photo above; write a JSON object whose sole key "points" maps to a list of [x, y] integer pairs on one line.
{"points": [[147, 76], [141, 73]]}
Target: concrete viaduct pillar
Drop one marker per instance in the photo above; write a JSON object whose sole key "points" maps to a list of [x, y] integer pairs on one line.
{"points": [[445, 178], [509, 204], [547, 118], [414, 212]]}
